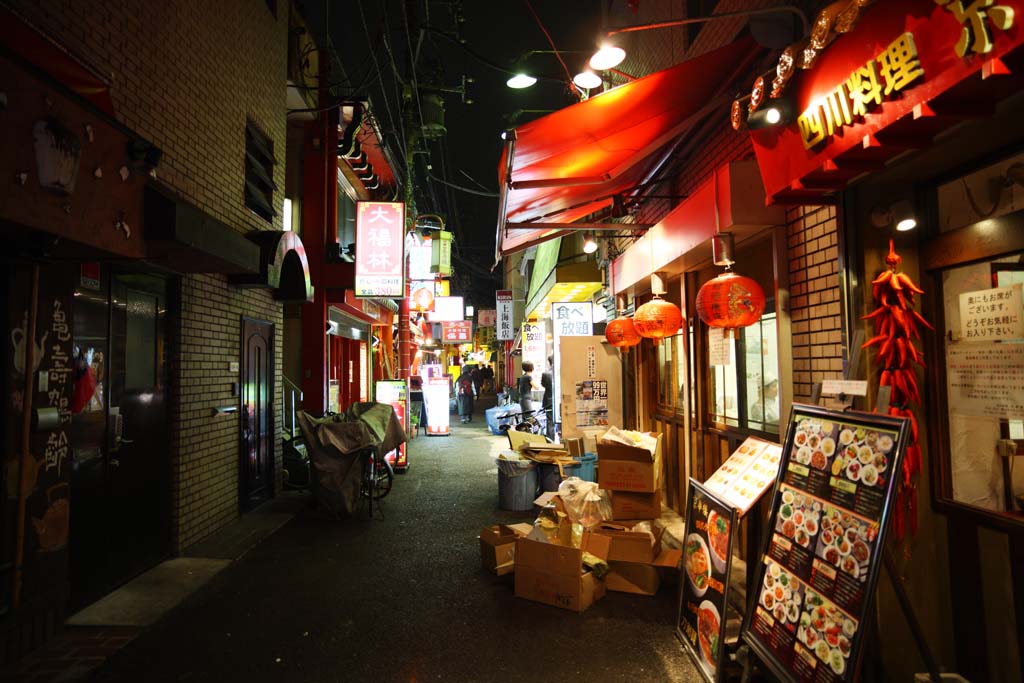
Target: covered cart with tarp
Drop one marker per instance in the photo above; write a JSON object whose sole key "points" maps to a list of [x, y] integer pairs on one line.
{"points": [[340, 446]]}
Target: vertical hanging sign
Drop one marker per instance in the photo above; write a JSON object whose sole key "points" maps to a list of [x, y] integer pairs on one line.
{"points": [[441, 257], [506, 324], [380, 254]]}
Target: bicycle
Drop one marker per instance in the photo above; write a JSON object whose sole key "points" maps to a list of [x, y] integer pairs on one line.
{"points": [[378, 477], [534, 422]]}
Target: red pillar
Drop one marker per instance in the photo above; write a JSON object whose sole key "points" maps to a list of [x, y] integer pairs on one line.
{"points": [[319, 229]]}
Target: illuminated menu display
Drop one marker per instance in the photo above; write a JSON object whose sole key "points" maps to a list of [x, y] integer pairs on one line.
{"points": [[825, 535]]}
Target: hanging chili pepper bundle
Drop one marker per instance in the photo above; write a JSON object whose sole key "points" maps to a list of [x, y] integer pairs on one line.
{"points": [[896, 327]]}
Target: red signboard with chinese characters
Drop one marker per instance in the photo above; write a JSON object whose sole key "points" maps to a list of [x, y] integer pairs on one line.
{"points": [[460, 332], [896, 63], [380, 227]]}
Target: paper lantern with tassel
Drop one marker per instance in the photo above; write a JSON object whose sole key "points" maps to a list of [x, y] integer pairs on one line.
{"points": [[730, 301], [422, 300], [621, 333], [657, 319]]}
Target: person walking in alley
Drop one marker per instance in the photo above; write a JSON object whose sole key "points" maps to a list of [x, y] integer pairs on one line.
{"points": [[465, 393], [547, 381], [478, 379], [525, 387]]}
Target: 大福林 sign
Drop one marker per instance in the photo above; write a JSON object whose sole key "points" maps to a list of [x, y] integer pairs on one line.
{"points": [[380, 249], [707, 559], [824, 540]]}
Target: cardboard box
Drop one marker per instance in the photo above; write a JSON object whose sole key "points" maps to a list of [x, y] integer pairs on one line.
{"points": [[628, 468], [627, 505], [549, 497], [574, 445], [555, 574], [498, 547], [641, 578], [630, 546]]}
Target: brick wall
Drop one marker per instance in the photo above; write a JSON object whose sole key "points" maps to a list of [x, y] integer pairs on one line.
{"points": [[815, 309], [187, 76], [205, 480]]}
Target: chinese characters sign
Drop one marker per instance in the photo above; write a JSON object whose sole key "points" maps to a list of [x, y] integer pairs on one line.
{"points": [[487, 317], [592, 403], [992, 315], [986, 379], [572, 319], [394, 393], [898, 59], [978, 17], [505, 322], [380, 255], [441, 256], [460, 332], [885, 76]]}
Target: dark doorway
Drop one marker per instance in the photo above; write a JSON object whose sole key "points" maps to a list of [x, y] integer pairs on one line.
{"points": [[256, 477], [120, 437]]}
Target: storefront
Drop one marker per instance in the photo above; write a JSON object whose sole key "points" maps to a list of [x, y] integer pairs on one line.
{"points": [[908, 124]]}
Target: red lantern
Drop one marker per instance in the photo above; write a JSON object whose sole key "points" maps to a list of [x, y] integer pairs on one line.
{"points": [[657, 319], [730, 301], [621, 333], [423, 299]]}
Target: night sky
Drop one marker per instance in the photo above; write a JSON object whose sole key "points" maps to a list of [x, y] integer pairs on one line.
{"points": [[499, 33]]}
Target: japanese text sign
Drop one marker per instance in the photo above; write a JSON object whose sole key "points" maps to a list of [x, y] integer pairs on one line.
{"points": [[986, 380], [572, 319], [460, 332], [992, 315], [534, 346], [505, 314], [380, 249]]}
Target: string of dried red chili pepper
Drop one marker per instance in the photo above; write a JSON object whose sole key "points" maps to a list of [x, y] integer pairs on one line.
{"points": [[896, 327]]}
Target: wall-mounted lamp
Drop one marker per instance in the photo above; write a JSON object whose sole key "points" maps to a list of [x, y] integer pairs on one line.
{"points": [[723, 249], [587, 80], [774, 112], [589, 245], [608, 56], [520, 81], [900, 215]]}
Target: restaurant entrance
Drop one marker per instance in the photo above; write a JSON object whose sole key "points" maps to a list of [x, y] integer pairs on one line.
{"points": [[119, 431]]}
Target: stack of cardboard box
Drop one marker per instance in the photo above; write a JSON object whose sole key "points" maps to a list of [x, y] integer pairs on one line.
{"points": [[557, 573], [632, 477]]}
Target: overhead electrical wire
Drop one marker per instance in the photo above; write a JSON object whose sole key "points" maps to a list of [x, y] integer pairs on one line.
{"points": [[551, 41]]}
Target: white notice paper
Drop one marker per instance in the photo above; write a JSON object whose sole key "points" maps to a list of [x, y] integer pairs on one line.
{"points": [[719, 348], [992, 314]]}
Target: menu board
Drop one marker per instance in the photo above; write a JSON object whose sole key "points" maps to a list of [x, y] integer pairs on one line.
{"points": [[825, 537], [747, 474], [707, 559], [435, 396]]}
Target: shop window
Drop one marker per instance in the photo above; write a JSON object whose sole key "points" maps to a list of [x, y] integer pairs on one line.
{"points": [[753, 402], [984, 363], [671, 373], [259, 172]]}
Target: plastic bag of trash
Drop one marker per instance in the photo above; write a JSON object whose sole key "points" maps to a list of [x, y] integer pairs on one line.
{"points": [[585, 503], [512, 465]]}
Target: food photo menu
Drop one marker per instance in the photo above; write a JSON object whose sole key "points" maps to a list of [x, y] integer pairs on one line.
{"points": [[746, 474], [707, 560], [825, 534]]}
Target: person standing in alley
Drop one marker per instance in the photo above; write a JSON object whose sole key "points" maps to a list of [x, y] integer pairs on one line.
{"points": [[547, 381], [478, 379], [464, 395], [525, 388]]}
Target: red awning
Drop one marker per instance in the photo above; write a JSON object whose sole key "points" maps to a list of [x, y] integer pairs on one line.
{"points": [[566, 165]]}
